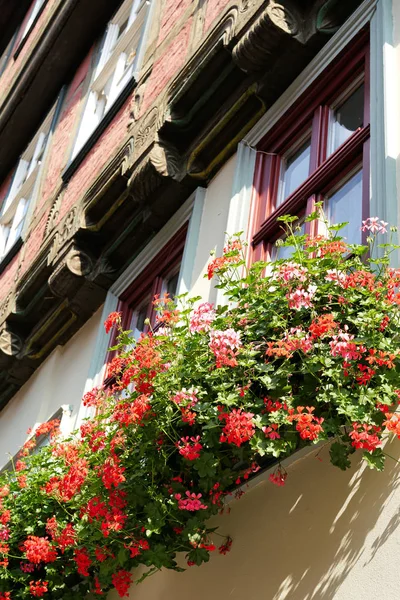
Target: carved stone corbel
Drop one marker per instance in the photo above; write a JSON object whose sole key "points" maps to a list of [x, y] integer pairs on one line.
{"points": [[11, 343], [163, 161], [67, 275], [53, 213], [327, 16], [65, 231], [6, 306], [277, 24]]}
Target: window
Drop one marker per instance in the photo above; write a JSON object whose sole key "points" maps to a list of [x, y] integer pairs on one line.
{"points": [[160, 276], [5, 57], [279, 252], [318, 152], [33, 15], [15, 205], [41, 436], [117, 60]]}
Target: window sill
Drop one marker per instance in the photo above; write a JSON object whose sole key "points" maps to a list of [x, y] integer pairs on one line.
{"points": [[92, 139], [28, 33], [7, 258]]}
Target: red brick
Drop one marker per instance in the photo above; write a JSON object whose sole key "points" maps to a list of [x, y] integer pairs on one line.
{"points": [[14, 66], [214, 8], [173, 11], [60, 144], [167, 65]]}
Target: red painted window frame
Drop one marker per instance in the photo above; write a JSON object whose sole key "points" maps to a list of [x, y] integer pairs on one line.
{"points": [[312, 108], [149, 283]]}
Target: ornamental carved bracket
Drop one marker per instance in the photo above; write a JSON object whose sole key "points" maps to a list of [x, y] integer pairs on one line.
{"points": [[67, 275], [328, 15], [65, 230], [7, 306], [162, 162], [11, 343], [54, 213], [276, 26]]}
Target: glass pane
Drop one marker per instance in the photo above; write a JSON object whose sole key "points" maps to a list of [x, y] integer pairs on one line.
{"points": [[295, 170], [346, 205], [172, 285], [123, 28], [348, 118], [138, 321], [285, 252]]}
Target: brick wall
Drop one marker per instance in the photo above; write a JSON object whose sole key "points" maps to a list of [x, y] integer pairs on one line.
{"points": [[171, 51], [14, 67]]}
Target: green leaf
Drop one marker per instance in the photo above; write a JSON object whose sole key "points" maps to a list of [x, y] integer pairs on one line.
{"points": [[375, 459], [339, 454]]}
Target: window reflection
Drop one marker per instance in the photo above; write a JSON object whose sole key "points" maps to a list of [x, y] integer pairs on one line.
{"points": [[172, 285], [347, 118], [138, 319], [345, 205], [285, 252], [295, 170]]}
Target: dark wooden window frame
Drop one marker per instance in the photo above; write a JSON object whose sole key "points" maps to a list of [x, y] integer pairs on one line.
{"points": [[311, 111], [147, 284]]}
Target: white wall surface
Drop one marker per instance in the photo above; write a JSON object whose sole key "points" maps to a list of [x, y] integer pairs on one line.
{"points": [[393, 121], [59, 380], [212, 229], [325, 535]]}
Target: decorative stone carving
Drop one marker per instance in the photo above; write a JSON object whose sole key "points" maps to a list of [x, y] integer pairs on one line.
{"points": [[102, 267], [10, 343], [136, 105], [115, 169], [66, 229], [79, 263], [265, 35], [331, 14], [64, 280], [282, 18], [166, 160], [147, 129], [4, 306], [53, 215], [162, 161]]}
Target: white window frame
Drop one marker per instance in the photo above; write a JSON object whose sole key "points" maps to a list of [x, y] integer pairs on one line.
{"points": [[64, 413], [117, 62], [14, 209], [33, 14]]}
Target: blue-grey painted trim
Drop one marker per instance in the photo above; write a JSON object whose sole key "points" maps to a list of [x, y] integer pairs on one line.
{"points": [[95, 375], [181, 217], [192, 241], [239, 207], [383, 196]]}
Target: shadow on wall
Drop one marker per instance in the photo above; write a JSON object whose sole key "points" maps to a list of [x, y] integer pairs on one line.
{"points": [[325, 535]]}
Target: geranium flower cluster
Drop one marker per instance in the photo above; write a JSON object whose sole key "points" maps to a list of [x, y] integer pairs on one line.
{"points": [[225, 345], [305, 350]]}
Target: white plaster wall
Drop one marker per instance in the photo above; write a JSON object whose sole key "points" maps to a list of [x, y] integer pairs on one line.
{"points": [[59, 380], [325, 535], [393, 119], [212, 229]]}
